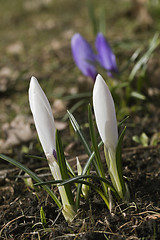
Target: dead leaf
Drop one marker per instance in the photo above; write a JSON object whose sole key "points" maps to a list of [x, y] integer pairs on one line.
{"points": [[7, 78], [56, 44], [59, 107], [60, 125], [141, 13], [36, 4], [15, 48], [67, 34], [47, 25], [17, 132], [70, 147], [155, 139]]}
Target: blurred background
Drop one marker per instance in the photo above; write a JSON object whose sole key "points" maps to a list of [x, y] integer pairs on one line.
{"points": [[35, 40]]}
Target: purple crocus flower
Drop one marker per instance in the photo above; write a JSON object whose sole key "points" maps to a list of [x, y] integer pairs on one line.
{"points": [[105, 56], [84, 56]]}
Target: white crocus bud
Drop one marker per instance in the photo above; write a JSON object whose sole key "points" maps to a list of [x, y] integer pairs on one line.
{"points": [[43, 117], [44, 122], [45, 126], [106, 121], [105, 115]]}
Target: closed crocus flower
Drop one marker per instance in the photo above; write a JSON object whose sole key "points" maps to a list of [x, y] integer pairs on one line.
{"points": [[44, 122], [105, 115], [105, 57], [45, 126], [43, 117], [84, 56]]}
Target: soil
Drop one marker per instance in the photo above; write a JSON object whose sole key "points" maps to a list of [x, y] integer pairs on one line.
{"points": [[20, 202], [137, 219]]}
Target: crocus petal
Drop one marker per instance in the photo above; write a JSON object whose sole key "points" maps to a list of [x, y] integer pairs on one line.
{"points": [[105, 57], [43, 117], [105, 115], [83, 55]]}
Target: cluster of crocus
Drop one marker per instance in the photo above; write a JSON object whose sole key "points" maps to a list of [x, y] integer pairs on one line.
{"points": [[62, 172], [105, 116], [86, 59]]}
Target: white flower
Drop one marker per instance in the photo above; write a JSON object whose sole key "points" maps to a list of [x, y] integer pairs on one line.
{"points": [[45, 126], [43, 117], [105, 115], [44, 122]]}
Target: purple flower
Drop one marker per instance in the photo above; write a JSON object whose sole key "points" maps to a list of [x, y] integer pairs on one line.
{"points": [[84, 56], [105, 56]]}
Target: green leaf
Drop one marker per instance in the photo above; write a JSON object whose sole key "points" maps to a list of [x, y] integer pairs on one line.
{"points": [[98, 165], [42, 215], [119, 160], [60, 157], [63, 167], [33, 176], [88, 176], [85, 169], [74, 107], [138, 95], [120, 123], [136, 139], [77, 129], [90, 159], [144, 59], [135, 54], [144, 139], [70, 170], [92, 16], [102, 21], [91, 154], [99, 191], [74, 179], [78, 180]]}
